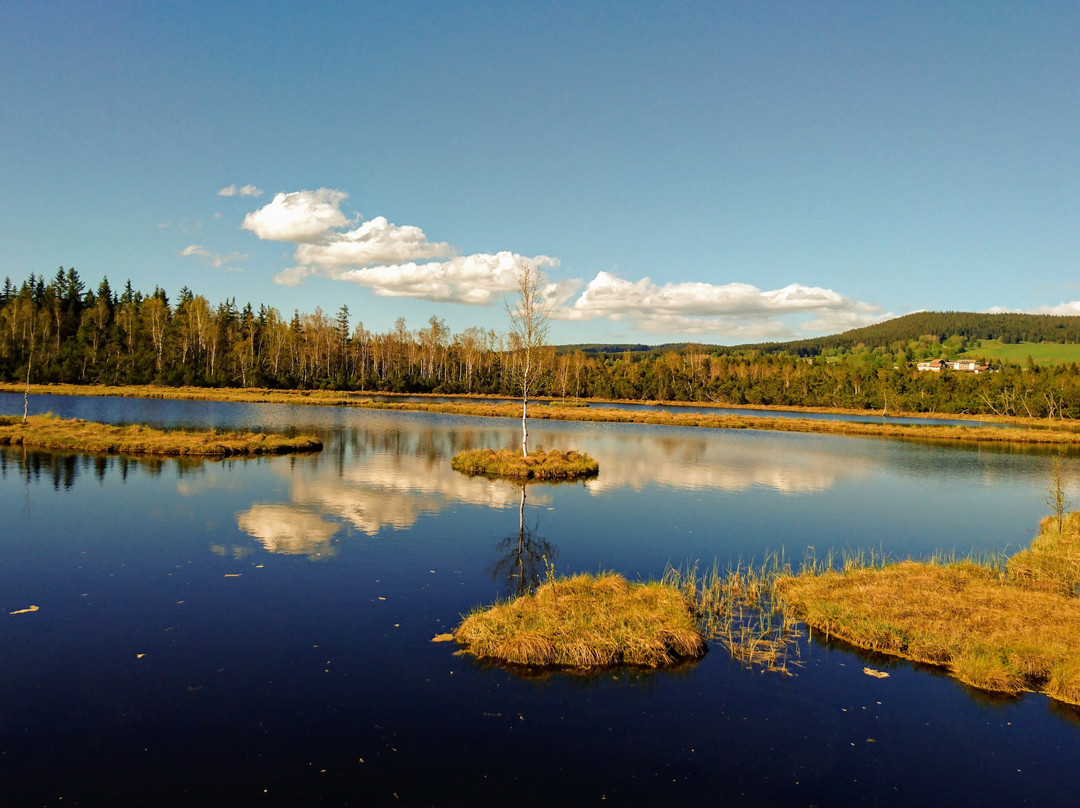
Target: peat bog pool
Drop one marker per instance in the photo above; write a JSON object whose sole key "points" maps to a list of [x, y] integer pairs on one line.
{"points": [[257, 632]]}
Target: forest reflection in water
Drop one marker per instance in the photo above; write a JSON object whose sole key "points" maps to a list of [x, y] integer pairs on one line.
{"points": [[64, 469]]}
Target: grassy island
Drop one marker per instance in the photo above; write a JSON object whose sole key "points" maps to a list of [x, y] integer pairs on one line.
{"points": [[587, 621], [539, 465], [54, 433]]}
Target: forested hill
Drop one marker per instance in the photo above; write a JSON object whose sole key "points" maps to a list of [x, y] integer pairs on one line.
{"points": [[1009, 328]]}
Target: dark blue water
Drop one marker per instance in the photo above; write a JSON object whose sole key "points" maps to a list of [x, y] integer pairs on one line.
{"points": [[257, 632]]}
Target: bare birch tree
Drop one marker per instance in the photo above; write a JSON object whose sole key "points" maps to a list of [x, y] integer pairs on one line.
{"points": [[530, 316]]}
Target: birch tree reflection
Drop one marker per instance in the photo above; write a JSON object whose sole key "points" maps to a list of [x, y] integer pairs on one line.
{"points": [[524, 556]]}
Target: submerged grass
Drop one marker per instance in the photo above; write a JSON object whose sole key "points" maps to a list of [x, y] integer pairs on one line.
{"points": [[737, 608], [62, 434], [587, 621], [539, 465]]}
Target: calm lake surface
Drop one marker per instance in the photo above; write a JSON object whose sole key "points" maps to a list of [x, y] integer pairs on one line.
{"points": [[257, 632]]}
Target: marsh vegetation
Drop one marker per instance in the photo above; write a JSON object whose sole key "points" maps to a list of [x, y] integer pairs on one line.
{"points": [[540, 464], [1004, 626], [62, 434], [586, 621]]}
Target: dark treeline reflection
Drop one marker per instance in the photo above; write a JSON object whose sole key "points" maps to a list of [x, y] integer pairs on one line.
{"points": [[525, 556], [64, 469]]}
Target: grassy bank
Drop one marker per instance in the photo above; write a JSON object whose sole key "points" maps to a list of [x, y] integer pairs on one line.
{"points": [[1047, 433], [60, 434], [1001, 626], [988, 631], [539, 465], [586, 621]]}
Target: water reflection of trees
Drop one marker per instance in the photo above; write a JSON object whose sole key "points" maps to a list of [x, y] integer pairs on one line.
{"points": [[63, 469], [524, 555]]}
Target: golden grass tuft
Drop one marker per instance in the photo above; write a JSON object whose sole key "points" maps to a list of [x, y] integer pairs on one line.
{"points": [[75, 435], [587, 621], [539, 465], [1064, 681]]}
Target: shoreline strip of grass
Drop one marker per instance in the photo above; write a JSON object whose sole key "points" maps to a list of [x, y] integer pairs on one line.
{"points": [[1043, 435], [60, 434]]}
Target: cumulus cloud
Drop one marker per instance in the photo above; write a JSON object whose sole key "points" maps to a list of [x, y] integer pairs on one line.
{"points": [[212, 258], [243, 190], [301, 216], [400, 261], [391, 260], [471, 279], [733, 309], [1070, 309], [373, 242]]}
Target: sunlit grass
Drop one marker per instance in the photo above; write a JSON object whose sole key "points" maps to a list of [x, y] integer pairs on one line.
{"points": [[586, 621], [1052, 563], [1004, 626], [61, 434], [989, 631], [539, 465]]}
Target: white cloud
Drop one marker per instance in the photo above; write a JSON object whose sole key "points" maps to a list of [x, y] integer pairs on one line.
{"points": [[736, 310], [391, 260], [472, 279], [302, 216], [839, 321], [373, 242], [400, 261], [243, 190], [212, 258], [1070, 309]]}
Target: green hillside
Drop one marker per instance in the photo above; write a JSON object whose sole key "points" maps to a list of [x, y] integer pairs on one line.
{"points": [[1007, 329], [1041, 353]]}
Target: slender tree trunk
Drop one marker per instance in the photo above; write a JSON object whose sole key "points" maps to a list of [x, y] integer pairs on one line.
{"points": [[26, 392]]}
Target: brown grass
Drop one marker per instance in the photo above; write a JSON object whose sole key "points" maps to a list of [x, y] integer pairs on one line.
{"points": [[539, 465], [60, 434], [925, 432], [586, 621], [1052, 563], [990, 632]]}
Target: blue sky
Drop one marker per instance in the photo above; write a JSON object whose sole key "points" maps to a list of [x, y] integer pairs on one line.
{"points": [[718, 172]]}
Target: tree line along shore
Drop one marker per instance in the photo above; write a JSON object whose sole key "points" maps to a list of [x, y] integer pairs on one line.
{"points": [[60, 330]]}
